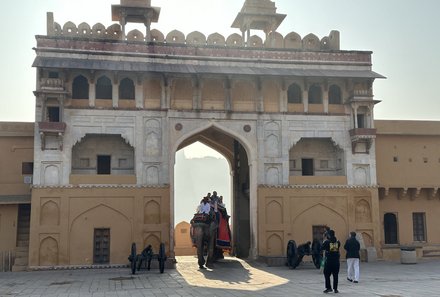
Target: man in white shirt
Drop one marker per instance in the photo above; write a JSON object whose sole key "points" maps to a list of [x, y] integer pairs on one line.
{"points": [[205, 206]]}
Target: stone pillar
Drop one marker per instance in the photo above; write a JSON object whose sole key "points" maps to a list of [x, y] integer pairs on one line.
{"points": [[253, 205], [355, 116], [283, 97], [228, 95], [123, 22], [372, 118], [306, 100], [50, 24], [115, 92], [92, 93], [166, 93], [147, 31], [325, 100], [197, 93], [260, 99], [139, 93]]}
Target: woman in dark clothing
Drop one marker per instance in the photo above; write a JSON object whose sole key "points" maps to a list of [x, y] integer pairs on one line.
{"points": [[331, 249]]}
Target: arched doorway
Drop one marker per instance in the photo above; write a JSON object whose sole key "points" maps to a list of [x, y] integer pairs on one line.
{"points": [[237, 157]]}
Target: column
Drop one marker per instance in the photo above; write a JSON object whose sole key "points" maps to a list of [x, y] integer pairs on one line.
{"points": [[115, 92], [283, 97], [325, 100], [139, 93], [306, 100], [197, 93], [355, 116], [260, 99], [92, 93], [228, 95], [166, 93]]}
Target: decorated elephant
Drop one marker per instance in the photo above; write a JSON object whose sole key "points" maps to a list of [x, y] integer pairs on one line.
{"points": [[203, 236]]}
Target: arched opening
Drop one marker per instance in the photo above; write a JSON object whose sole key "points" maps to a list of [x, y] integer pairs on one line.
{"points": [[102, 154], [334, 95], [315, 94], [80, 88], [390, 228], [316, 157], [126, 89], [208, 161], [104, 88], [294, 94]]}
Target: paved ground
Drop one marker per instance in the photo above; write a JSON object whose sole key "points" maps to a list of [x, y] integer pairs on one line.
{"points": [[232, 277]]}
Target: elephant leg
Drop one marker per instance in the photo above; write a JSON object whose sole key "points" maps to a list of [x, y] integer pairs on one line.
{"points": [[211, 244], [199, 238]]}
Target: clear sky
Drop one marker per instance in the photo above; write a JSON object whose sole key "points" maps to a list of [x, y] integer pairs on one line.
{"points": [[403, 36]]}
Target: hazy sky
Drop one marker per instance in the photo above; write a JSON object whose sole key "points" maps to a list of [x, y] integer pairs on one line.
{"points": [[194, 177], [403, 36]]}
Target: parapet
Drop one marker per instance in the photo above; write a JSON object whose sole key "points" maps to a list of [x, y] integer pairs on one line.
{"points": [[275, 40]]}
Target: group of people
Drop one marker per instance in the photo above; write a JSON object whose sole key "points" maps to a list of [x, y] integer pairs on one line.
{"points": [[209, 201], [330, 248]]}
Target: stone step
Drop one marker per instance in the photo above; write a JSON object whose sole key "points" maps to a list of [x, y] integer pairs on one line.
{"points": [[21, 261], [23, 220], [23, 243], [25, 224], [18, 268], [23, 237], [24, 232], [22, 249], [22, 253]]}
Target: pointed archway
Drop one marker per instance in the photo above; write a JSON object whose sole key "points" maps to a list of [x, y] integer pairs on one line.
{"points": [[236, 153]]}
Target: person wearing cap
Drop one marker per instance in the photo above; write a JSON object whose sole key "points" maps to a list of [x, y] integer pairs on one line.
{"points": [[331, 267], [352, 247]]}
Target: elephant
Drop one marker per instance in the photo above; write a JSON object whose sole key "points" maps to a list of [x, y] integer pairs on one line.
{"points": [[203, 235]]}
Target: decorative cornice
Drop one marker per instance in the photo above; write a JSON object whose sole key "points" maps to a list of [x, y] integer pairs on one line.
{"points": [[101, 186], [319, 186]]}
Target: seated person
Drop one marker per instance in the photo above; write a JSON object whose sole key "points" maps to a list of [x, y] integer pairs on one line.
{"points": [[204, 206]]}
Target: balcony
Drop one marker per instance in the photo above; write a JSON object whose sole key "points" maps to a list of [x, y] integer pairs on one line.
{"points": [[52, 127], [362, 139], [52, 84], [51, 134], [362, 133]]}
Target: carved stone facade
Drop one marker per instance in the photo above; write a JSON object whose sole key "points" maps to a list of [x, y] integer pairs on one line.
{"points": [[110, 125]]}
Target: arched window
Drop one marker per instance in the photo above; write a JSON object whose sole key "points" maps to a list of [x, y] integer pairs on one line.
{"points": [[334, 95], [315, 94], [294, 94], [80, 88], [126, 89], [104, 88], [390, 228]]}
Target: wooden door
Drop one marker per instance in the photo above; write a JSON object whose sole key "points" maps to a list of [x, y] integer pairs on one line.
{"points": [[101, 251]]}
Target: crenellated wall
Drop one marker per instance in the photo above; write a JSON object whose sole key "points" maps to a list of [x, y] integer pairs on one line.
{"points": [[292, 40]]}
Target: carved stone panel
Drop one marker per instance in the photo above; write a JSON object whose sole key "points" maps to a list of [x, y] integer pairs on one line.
{"points": [[272, 174], [274, 211], [151, 174], [272, 139], [152, 210], [363, 211], [274, 244], [50, 212], [153, 138], [49, 251]]}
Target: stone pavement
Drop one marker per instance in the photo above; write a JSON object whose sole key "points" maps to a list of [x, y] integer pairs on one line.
{"points": [[231, 277]]}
